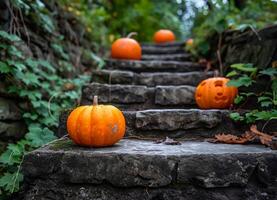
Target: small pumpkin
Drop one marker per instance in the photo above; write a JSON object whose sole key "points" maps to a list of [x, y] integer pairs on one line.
{"points": [[214, 93], [96, 125], [163, 36], [189, 42], [126, 48]]}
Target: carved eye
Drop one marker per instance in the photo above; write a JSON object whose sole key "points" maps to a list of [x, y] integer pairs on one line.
{"points": [[218, 83]]}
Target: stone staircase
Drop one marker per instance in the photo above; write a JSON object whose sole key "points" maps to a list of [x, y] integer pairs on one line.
{"points": [[156, 96]]}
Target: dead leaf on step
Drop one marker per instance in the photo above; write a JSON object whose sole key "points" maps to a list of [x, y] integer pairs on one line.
{"points": [[206, 63], [264, 138], [248, 136], [168, 141]]}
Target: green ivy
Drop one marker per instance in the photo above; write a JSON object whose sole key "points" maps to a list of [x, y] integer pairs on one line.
{"points": [[38, 83], [246, 76]]}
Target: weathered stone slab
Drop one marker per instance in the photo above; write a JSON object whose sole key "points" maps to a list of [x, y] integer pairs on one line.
{"points": [[13, 130], [166, 44], [162, 50], [174, 119], [130, 97], [9, 110], [115, 93], [63, 170], [149, 78], [189, 124], [174, 95], [174, 57], [166, 78], [153, 66]]}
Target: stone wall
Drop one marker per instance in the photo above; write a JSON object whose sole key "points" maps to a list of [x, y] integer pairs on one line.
{"points": [[38, 43], [12, 126], [250, 46]]}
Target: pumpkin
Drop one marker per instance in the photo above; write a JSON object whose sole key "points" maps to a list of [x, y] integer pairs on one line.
{"points": [[163, 35], [214, 93], [126, 48], [96, 125], [189, 42]]}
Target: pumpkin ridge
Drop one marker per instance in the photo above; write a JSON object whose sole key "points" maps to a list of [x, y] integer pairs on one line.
{"points": [[80, 135], [71, 122]]}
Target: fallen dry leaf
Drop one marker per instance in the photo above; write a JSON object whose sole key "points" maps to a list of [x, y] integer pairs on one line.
{"points": [[264, 138], [168, 141], [248, 136]]}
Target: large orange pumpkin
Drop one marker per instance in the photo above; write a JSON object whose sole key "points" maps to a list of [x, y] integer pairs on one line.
{"points": [[96, 125], [126, 48], [164, 35], [214, 93]]}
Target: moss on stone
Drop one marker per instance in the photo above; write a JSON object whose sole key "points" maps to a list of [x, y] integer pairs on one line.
{"points": [[65, 145]]}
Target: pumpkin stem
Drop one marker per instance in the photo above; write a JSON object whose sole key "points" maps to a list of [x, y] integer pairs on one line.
{"points": [[216, 73], [95, 100], [132, 34]]}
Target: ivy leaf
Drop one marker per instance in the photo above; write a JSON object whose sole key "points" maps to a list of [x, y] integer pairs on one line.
{"points": [[266, 103], [14, 153], [28, 78], [9, 37], [269, 71], [10, 181], [4, 68], [238, 99], [232, 73], [33, 95], [241, 81], [32, 63], [248, 94], [47, 22], [266, 115], [18, 65], [244, 67], [236, 116], [31, 116], [38, 136], [47, 65], [15, 52], [263, 98], [59, 50]]}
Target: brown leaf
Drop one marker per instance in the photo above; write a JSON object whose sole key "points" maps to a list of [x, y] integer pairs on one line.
{"points": [[264, 138], [248, 136], [168, 141], [230, 139]]}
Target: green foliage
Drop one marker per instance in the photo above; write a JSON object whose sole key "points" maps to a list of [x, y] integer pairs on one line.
{"points": [[246, 75], [109, 20], [38, 12], [223, 15], [38, 82]]}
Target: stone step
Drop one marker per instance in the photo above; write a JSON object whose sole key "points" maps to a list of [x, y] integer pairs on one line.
{"points": [[144, 170], [188, 124], [153, 66], [167, 44], [136, 97], [173, 57], [162, 50], [149, 78]]}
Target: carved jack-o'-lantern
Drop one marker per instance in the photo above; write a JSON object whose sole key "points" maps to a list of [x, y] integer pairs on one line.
{"points": [[214, 93]]}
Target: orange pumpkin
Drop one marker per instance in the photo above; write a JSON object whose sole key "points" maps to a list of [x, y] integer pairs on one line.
{"points": [[214, 93], [96, 125], [189, 42], [126, 48], [164, 35]]}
